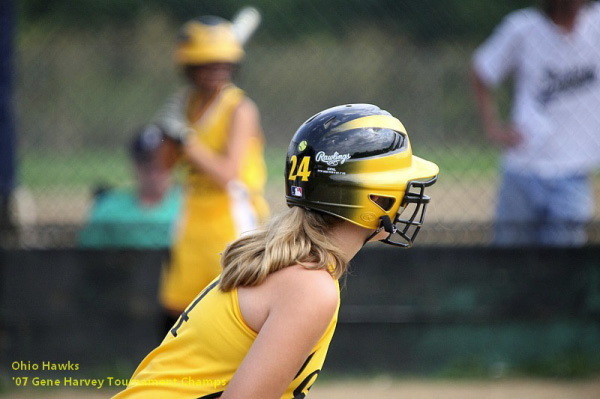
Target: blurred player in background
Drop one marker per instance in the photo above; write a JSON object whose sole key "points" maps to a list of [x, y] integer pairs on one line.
{"points": [[217, 130], [263, 327], [553, 140], [142, 216]]}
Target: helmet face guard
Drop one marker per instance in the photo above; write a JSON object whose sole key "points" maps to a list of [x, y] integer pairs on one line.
{"points": [[415, 202]]}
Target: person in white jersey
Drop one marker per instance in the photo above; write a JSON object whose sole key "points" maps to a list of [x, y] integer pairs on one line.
{"points": [[552, 142]]}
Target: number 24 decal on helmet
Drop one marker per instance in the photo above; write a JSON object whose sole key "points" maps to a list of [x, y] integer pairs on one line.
{"points": [[303, 170]]}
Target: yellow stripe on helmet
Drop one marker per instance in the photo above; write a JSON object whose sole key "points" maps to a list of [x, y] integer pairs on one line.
{"points": [[373, 121]]}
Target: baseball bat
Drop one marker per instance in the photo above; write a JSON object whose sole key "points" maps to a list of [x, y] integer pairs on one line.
{"points": [[245, 23]]}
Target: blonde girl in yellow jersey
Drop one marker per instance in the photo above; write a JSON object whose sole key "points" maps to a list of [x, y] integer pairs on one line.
{"points": [[215, 130], [261, 329]]}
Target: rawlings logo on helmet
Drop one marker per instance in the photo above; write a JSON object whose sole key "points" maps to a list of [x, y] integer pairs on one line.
{"points": [[332, 160]]}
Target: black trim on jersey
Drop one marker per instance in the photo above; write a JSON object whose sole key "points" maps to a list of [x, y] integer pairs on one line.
{"points": [[212, 395], [184, 316], [298, 392], [305, 364]]}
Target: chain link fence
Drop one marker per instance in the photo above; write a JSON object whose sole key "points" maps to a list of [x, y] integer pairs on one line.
{"points": [[81, 91]]}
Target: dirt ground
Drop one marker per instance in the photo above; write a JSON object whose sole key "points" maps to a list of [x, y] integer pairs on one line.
{"points": [[510, 389], [388, 388]]}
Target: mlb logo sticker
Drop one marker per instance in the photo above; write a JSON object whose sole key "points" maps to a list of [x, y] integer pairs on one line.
{"points": [[296, 191]]}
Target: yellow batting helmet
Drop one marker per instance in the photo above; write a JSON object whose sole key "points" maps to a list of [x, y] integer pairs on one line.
{"points": [[355, 162], [206, 40]]}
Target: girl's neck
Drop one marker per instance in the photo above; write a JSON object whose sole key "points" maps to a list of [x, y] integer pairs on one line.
{"points": [[350, 238], [207, 96], [149, 199], [201, 101]]}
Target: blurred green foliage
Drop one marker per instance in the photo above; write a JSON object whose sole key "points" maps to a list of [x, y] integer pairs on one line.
{"points": [[424, 20], [113, 168]]}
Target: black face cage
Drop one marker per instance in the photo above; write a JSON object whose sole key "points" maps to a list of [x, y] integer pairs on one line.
{"points": [[407, 229]]}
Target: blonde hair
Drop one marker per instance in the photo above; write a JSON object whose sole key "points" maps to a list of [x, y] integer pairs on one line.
{"points": [[297, 236]]}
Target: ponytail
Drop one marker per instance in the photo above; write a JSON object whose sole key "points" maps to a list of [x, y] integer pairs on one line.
{"points": [[298, 236]]}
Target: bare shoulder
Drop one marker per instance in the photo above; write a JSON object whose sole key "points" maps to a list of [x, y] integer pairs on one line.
{"points": [[247, 109], [297, 286], [246, 119], [310, 296]]}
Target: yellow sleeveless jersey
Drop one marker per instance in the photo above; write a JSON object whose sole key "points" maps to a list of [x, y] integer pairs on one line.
{"points": [[212, 129], [212, 215], [200, 355]]}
